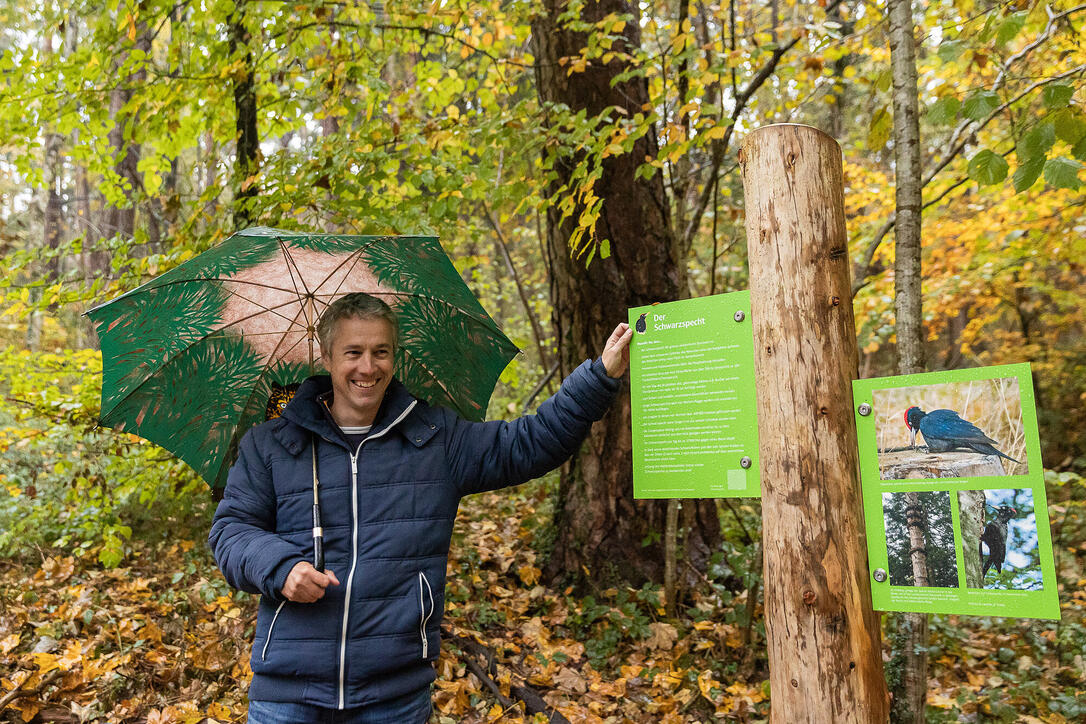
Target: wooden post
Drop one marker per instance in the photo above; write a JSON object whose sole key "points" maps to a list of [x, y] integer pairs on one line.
{"points": [[825, 656]]}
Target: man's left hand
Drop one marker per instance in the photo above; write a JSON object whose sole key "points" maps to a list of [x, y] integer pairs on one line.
{"points": [[616, 352]]}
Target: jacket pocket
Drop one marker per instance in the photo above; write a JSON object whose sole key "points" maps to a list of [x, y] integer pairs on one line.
{"points": [[424, 616], [264, 651]]}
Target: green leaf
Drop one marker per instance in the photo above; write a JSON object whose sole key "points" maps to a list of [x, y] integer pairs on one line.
{"points": [[1062, 173], [951, 50], [1037, 142], [1057, 95], [883, 81], [944, 110], [987, 168], [989, 27], [1028, 172], [1070, 124], [879, 132], [1010, 27], [1079, 151], [980, 104]]}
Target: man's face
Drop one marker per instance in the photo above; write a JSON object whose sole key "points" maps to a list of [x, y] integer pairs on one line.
{"points": [[360, 362]]}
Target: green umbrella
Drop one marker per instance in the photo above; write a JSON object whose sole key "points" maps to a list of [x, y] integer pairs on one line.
{"points": [[195, 357]]}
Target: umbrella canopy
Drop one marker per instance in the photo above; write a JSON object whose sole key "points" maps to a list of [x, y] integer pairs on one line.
{"points": [[195, 357]]}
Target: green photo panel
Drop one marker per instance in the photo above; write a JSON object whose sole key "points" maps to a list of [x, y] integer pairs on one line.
{"points": [[953, 493], [695, 429]]}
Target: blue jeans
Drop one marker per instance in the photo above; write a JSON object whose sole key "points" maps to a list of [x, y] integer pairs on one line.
{"points": [[413, 708]]}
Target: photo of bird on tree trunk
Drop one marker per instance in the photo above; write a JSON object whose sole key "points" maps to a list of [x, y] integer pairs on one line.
{"points": [[999, 540], [920, 539], [951, 430]]}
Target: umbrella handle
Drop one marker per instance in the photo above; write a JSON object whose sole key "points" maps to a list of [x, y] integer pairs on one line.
{"points": [[318, 539]]}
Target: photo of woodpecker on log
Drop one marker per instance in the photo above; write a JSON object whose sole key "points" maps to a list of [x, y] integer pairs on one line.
{"points": [[920, 539], [999, 540], [951, 430]]}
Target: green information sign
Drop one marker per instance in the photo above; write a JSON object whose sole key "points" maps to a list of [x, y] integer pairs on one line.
{"points": [[953, 492], [695, 430]]}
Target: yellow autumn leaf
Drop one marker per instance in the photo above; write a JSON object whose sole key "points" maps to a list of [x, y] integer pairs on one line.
{"points": [[941, 701], [706, 683], [9, 643], [716, 132]]}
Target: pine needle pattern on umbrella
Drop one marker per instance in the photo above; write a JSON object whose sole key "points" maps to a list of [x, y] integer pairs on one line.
{"points": [[192, 357]]}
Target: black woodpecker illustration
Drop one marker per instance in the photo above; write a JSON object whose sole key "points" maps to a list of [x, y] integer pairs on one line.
{"points": [[995, 537], [639, 325], [944, 430]]}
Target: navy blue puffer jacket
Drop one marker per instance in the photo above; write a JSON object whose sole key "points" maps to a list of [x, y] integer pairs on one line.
{"points": [[388, 510]]}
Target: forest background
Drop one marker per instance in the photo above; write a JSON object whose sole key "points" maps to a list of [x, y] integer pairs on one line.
{"points": [[575, 159]]}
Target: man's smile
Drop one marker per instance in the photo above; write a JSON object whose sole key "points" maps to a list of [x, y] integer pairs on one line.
{"points": [[364, 385]]}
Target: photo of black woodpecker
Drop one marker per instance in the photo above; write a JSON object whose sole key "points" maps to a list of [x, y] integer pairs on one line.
{"points": [[944, 430], [639, 325], [995, 537]]}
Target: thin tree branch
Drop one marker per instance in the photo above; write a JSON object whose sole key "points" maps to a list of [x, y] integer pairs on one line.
{"points": [[537, 331], [719, 147]]}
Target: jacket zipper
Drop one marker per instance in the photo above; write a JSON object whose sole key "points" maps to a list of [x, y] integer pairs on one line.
{"points": [[264, 651], [423, 616], [354, 548]]}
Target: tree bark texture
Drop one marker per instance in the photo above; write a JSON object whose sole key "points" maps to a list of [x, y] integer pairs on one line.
{"points": [[908, 186], [246, 157], [911, 693], [597, 521], [971, 512], [912, 465], [916, 520], [824, 650]]}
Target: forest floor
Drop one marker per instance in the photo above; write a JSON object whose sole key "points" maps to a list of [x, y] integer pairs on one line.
{"points": [[162, 638]]}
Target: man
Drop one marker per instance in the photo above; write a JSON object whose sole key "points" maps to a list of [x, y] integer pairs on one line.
{"points": [[356, 642]]}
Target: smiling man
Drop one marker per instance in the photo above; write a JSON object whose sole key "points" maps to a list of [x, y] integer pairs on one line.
{"points": [[355, 642]]}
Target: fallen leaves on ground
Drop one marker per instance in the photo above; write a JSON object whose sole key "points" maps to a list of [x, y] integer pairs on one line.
{"points": [[165, 640]]}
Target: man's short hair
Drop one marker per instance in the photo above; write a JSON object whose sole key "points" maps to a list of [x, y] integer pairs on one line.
{"points": [[357, 305]]}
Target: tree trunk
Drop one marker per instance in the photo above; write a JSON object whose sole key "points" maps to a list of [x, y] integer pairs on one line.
{"points": [[971, 511], [598, 523], [823, 635], [121, 220], [246, 163], [836, 121], [907, 299], [909, 699], [916, 521], [52, 231], [52, 220]]}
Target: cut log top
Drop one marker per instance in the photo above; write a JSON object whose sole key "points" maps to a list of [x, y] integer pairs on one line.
{"points": [[912, 464]]}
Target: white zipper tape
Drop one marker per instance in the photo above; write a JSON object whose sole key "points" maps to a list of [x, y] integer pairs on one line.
{"points": [[264, 651], [423, 616]]}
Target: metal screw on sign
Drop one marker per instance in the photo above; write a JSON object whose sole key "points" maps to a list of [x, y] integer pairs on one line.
{"points": [[745, 462], [739, 316], [880, 574], [864, 409]]}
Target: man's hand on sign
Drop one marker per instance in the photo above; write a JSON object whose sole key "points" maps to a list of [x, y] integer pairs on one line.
{"points": [[616, 352], [305, 584]]}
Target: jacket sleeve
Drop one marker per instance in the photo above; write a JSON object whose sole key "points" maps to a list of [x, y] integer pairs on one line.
{"points": [[249, 553], [491, 455]]}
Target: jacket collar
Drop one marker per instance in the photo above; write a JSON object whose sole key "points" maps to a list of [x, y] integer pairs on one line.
{"points": [[305, 411]]}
